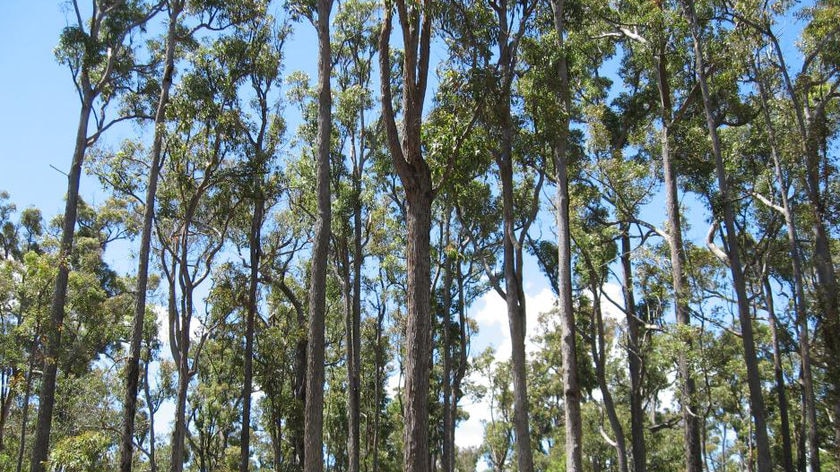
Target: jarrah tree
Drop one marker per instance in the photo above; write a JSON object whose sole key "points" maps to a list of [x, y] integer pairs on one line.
{"points": [[415, 21], [756, 399], [132, 369], [102, 64], [313, 460], [560, 149]]}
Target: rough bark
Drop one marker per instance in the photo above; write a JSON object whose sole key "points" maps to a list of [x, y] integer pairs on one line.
{"points": [[40, 448], [132, 370], [756, 399], [415, 176], [313, 460]]}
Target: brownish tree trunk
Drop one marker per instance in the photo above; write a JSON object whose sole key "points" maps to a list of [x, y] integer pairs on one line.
{"points": [[40, 448], [414, 173], [634, 357], [313, 460], [132, 370]]}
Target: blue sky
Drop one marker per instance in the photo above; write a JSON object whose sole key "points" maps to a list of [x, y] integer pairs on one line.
{"points": [[39, 106]]}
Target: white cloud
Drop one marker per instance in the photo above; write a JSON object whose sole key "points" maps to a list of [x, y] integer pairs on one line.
{"points": [[490, 312]]}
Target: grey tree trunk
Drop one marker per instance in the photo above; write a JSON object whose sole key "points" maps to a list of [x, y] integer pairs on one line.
{"points": [[787, 444], [800, 304], [756, 398], [571, 386], [688, 403], [255, 255], [599, 355], [313, 460]]}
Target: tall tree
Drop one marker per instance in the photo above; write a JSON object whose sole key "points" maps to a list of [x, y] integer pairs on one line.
{"points": [[415, 20], [262, 129], [132, 370], [756, 398], [571, 385], [102, 63], [314, 403]]}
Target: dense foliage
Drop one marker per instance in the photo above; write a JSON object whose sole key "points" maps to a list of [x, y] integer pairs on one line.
{"points": [[667, 168]]}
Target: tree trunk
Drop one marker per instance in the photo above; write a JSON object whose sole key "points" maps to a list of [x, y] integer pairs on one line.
{"points": [[152, 409], [756, 399], [24, 415], [40, 449], [415, 175], [354, 345], [253, 299], [132, 374], [800, 302], [571, 386], [448, 452], [314, 404], [787, 448], [634, 357], [688, 401]]}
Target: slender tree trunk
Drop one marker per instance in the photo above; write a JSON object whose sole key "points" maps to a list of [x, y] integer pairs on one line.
{"points": [[808, 120], [787, 448], [314, 405], [515, 302], [448, 452], [377, 390], [753, 377], [40, 449], [688, 402], [599, 355], [634, 357], [6, 401], [571, 386], [354, 344], [132, 374], [24, 414], [800, 304], [255, 255], [148, 393]]}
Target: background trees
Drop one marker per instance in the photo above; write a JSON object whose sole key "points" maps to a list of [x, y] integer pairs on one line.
{"points": [[453, 124]]}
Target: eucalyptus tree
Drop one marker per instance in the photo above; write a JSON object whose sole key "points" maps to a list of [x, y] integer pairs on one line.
{"points": [[800, 301], [511, 23], [313, 461], [415, 21], [354, 41], [812, 91], [652, 51], [195, 205], [132, 372], [262, 129], [100, 54], [734, 252], [562, 89]]}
